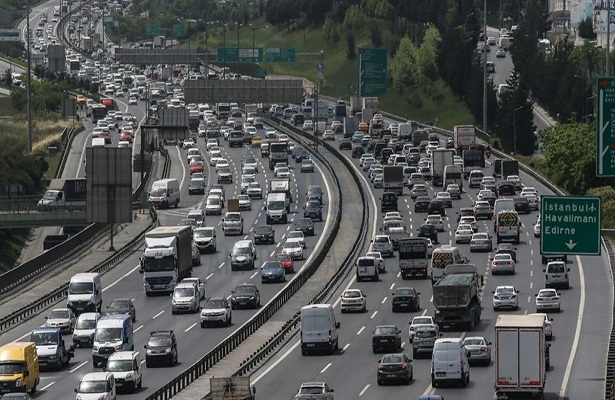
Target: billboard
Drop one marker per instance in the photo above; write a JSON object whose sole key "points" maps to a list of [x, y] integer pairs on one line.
{"points": [[580, 10]]}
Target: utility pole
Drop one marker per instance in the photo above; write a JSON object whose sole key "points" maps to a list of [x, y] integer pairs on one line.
{"points": [[485, 69], [608, 38], [29, 77], [224, 51]]}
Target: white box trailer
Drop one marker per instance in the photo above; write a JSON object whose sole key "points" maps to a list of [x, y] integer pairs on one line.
{"points": [[520, 356]]}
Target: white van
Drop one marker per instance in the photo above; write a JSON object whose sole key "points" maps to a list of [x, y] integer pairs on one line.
{"points": [[503, 205], [318, 329], [367, 269], [97, 386], [98, 142], [441, 258], [277, 206], [85, 293], [83, 334], [449, 362], [556, 275], [114, 332], [165, 193], [475, 178], [127, 370]]}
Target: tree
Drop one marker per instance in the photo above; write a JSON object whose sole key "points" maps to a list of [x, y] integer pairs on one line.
{"points": [[585, 29], [354, 21], [376, 35], [403, 67], [8, 77], [427, 55], [351, 51]]}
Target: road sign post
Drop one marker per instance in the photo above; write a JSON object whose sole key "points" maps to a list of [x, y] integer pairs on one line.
{"points": [[372, 72], [605, 127], [570, 225]]}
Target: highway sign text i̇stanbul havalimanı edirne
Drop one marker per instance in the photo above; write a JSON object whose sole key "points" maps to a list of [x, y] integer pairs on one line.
{"points": [[570, 225]]}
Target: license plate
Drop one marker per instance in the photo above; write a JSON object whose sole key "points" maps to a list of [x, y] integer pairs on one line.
{"points": [[391, 375], [440, 374], [311, 345], [383, 340]]}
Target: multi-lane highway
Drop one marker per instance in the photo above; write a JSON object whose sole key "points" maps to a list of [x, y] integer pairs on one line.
{"points": [[351, 372]]}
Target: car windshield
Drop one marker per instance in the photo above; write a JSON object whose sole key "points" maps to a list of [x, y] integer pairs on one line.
{"points": [[59, 314], [311, 390], [232, 217], [213, 201], [202, 233], [119, 304], [421, 321], [295, 235], [44, 338], [81, 288], [503, 290], [159, 341], [404, 292], [119, 365], [548, 293], [10, 368], [557, 268], [423, 334], [246, 289], [262, 230], [214, 304], [83, 323], [480, 236], [303, 222], [108, 334], [381, 239], [92, 387], [474, 342], [351, 294], [385, 330], [250, 160], [392, 359], [292, 245], [183, 292], [271, 266]]}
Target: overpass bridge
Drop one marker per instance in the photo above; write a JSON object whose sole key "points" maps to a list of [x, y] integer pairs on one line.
{"points": [[22, 212]]}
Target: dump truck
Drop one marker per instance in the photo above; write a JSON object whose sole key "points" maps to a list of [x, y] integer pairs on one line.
{"points": [[440, 158], [521, 356], [51, 348], [393, 179], [413, 257], [464, 137], [64, 194], [472, 159], [510, 167], [456, 297], [497, 168], [167, 258], [231, 388], [419, 135]]}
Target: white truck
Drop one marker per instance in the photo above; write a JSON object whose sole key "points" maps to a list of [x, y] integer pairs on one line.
{"points": [[351, 125], [167, 258], [64, 194], [159, 42], [440, 158], [521, 356], [413, 257], [464, 137], [405, 132], [371, 103]]}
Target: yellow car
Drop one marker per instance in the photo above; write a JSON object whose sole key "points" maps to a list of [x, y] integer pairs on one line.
{"points": [[363, 127], [81, 99], [257, 141]]}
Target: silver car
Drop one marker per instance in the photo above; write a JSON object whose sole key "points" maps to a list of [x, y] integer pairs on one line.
{"points": [[505, 297], [481, 242], [62, 318], [478, 350], [383, 244]]}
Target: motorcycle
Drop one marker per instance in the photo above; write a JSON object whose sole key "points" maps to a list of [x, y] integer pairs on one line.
{"points": [[488, 153]]}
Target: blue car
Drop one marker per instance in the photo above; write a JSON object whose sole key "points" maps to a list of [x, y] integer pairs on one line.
{"points": [[272, 271]]}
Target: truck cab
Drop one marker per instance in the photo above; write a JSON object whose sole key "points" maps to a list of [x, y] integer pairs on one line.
{"points": [[232, 224], [51, 348], [19, 367]]}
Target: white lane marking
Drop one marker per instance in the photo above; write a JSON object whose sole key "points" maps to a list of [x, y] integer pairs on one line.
{"points": [[119, 279], [47, 387], [577, 332], [277, 362], [325, 368], [221, 265], [374, 314], [364, 390], [531, 285], [139, 328], [392, 286], [361, 330], [384, 300], [529, 298], [190, 327], [254, 274], [77, 367], [158, 315], [209, 276], [345, 347]]}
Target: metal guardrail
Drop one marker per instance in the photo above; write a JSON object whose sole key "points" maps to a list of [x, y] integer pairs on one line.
{"points": [[67, 141], [216, 354], [56, 255]]}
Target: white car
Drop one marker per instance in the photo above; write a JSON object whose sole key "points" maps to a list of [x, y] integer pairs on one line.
{"points": [[213, 205], [254, 190], [436, 220], [216, 310], [245, 203], [282, 137], [528, 189], [294, 249], [470, 220], [188, 143], [463, 233], [283, 173], [548, 327], [211, 143], [505, 297], [515, 180], [222, 164], [308, 125], [533, 201], [296, 236], [200, 285], [353, 300], [502, 264], [328, 135], [62, 318], [548, 300], [132, 101], [379, 260], [392, 215], [215, 151], [420, 322]]}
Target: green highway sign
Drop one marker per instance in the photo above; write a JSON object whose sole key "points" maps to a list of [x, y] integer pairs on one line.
{"points": [[605, 127], [280, 54], [179, 30], [233, 54], [152, 29], [372, 72], [9, 35], [570, 225]]}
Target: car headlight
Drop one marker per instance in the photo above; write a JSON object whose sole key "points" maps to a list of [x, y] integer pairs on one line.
{"points": [[149, 351], [168, 350], [18, 383], [95, 347], [128, 376], [173, 302], [79, 397], [119, 347], [102, 397]]}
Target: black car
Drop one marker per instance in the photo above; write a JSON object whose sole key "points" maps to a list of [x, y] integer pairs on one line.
{"points": [[436, 207], [506, 188], [405, 298], [388, 202], [395, 367], [313, 210], [421, 204], [264, 234], [428, 231], [122, 306], [507, 248], [385, 338], [450, 143], [345, 144], [161, 348], [357, 151], [465, 212], [522, 205], [314, 192], [297, 119], [305, 225], [300, 154], [245, 296], [307, 165]]}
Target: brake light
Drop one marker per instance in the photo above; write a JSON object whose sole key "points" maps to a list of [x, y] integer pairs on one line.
{"points": [[458, 232], [403, 366], [380, 368], [509, 263], [483, 349]]}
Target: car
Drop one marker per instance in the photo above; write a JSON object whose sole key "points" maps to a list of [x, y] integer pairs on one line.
{"points": [[216, 310], [353, 300], [516, 181], [272, 271], [394, 367], [245, 295], [250, 162], [282, 172], [264, 234], [421, 204], [245, 204], [257, 141], [357, 137], [308, 125], [196, 185], [307, 165], [287, 262], [445, 198], [186, 298], [405, 298], [418, 322], [548, 327], [357, 151], [213, 205], [478, 350], [383, 244], [379, 181], [16, 396], [548, 300], [188, 143], [507, 248], [428, 231], [463, 233], [294, 249], [500, 53], [502, 264], [122, 306], [505, 297], [62, 318], [196, 166], [418, 190], [423, 340], [481, 242], [435, 220], [533, 200], [205, 239], [314, 391], [537, 228], [254, 190], [436, 207], [211, 143], [305, 225], [225, 175], [248, 170], [161, 347], [522, 205], [385, 338], [132, 101], [245, 182], [482, 209], [313, 210], [345, 144], [469, 220], [328, 135], [379, 260]]}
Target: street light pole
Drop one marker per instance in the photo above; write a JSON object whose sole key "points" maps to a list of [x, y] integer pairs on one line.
{"points": [[515, 128], [485, 69], [224, 51], [254, 56], [238, 26], [322, 75], [29, 77]]}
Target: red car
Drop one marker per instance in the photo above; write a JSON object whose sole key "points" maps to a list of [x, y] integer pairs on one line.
{"points": [[126, 137], [287, 262], [196, 166]]}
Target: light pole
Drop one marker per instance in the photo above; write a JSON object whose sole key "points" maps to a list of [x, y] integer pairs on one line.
{"points": [[485, 70], [238, 26], [224, 50], [322, 74], [515, 128], [254, 57], [29, 77]]}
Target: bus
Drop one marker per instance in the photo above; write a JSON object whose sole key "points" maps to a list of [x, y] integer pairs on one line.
{"points": [[98, 112], [340, 111]]}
